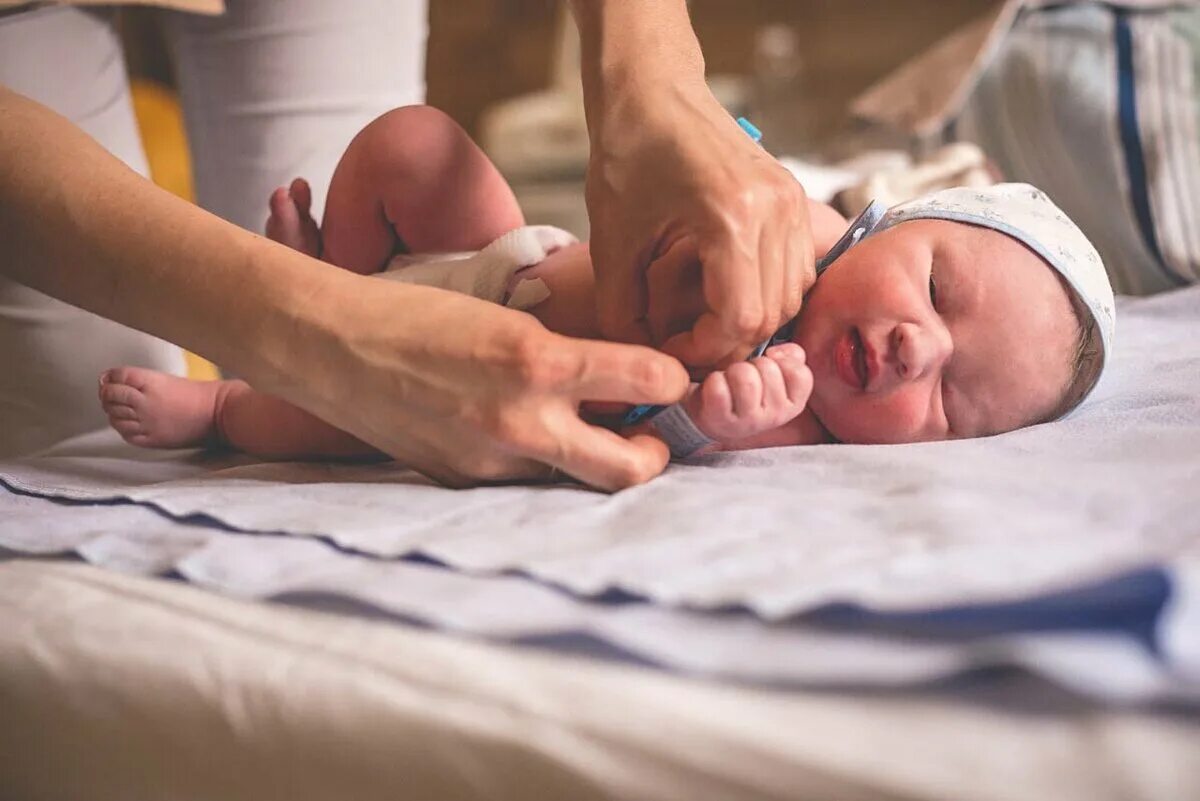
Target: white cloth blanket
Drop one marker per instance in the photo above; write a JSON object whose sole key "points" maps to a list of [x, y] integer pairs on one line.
{"points": [[776, 532]]}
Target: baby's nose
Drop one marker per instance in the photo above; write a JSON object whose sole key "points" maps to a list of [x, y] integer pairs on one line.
{"points": [[918, 350]]}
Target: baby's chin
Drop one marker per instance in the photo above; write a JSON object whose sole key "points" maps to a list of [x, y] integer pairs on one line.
{"points": [[844, 424], [831, 421]]}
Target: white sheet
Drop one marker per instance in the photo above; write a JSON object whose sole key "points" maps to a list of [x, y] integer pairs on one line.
{"points": [[134, 539], [778, 531], [116, 688]]}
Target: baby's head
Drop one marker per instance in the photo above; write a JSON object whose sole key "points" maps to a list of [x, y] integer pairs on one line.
{"points": [[965, 313]]}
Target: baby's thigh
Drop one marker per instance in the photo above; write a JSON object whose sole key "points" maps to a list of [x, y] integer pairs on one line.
{"points": [[413, 181]]}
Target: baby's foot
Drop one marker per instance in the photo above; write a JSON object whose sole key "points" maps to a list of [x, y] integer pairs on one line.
{"points": [[157, 410], [291, 221]]}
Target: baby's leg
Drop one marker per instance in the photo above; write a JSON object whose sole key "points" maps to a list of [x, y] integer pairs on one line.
{"points": [[413, 181], [157, 410]]}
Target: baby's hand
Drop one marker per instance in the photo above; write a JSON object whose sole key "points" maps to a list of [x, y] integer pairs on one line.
{"points": [[749, 398]]}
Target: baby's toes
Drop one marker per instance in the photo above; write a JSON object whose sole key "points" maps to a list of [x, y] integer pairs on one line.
{"points": [[301, 195], [128, 429], [136, 377], [120, 411], [121, 395], [284, 219]]}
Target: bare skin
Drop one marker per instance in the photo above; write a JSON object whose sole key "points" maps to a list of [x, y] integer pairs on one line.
{"points": [[674, 186], [380, 200], [465, 403], [893, 362]]}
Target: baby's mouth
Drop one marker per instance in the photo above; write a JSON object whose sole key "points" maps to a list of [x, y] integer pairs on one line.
{"points": [[859, 351], [851, 360]]}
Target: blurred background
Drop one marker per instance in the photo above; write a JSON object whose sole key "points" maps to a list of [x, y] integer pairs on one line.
{"points": [[483, 51], [507, 71]]}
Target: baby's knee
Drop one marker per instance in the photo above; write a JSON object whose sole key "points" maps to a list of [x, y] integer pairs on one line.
{"points": [[413, 136]]}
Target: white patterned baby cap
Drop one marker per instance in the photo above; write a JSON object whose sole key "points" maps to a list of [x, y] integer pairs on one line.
{"points": [[1026, 214]]}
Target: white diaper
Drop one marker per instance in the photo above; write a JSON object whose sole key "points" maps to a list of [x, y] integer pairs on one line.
{"points": [[489, 274]]}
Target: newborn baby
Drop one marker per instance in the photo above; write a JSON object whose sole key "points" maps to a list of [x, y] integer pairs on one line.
{"points": [[966, 313]]}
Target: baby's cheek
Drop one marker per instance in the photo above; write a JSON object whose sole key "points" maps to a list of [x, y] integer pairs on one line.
{"points": [[897, 418]]}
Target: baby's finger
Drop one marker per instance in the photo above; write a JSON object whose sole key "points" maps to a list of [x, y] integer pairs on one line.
{"points": [[746, 387], [798, 381], [715, 396], [774, 387], [788, 350]]}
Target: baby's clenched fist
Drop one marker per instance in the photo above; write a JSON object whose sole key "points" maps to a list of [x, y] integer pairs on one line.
{"points": [[749, 398]]}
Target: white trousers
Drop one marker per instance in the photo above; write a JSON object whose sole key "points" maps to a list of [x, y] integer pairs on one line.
{"points": [[273, 89]]}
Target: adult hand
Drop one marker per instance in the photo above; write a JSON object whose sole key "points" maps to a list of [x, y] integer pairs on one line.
{"points": [[460, 389], [468, 391], [673, 186]]}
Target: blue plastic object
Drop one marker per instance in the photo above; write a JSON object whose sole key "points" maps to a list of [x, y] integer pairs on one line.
{"points": [[750, 129]]}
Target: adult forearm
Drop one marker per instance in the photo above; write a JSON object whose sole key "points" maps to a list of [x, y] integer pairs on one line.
{"points": [[77, 224], [672, 183], [632, 49]]}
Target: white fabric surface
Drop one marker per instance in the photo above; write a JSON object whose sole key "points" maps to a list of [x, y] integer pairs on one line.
{"points": [[137, 540], [779, 530], [893, 528], [116, 688]]}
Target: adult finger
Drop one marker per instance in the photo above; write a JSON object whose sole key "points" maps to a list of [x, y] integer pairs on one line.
{"points": [[772, 256], [733, 288], [606, 460], [733, 296], [621, 294], [706, 345], [670, 279], [612, 371], [799, 268]]}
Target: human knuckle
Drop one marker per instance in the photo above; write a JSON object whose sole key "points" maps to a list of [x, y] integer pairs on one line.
{"points": [[532, 360], [772, 319], [792, 301], [513, 431], [741, 372], [646, 374], [745, 319]]}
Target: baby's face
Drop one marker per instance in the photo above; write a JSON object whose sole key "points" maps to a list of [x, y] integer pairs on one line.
{"points": [[985, 347]]}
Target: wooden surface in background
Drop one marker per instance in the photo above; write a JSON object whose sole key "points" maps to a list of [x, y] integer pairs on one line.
{"points": [[481, 51]]}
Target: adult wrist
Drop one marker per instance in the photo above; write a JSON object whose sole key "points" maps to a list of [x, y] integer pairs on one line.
{"points": [[631, 52], [297, 333]]}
